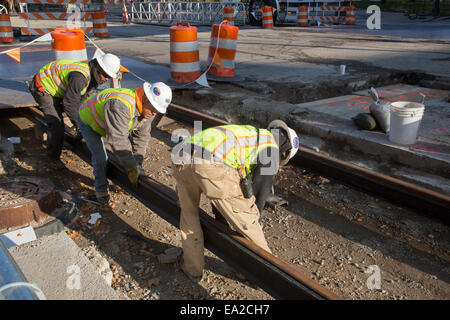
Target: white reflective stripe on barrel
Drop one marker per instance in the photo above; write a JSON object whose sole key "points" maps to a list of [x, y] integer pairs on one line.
{"points": [[185, 67], [96, 30], [75, 55], [224, 43], [183, 46]]}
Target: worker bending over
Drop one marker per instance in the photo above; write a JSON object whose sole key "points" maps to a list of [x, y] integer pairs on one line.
{"points": [[234, 166], [61, 85], [116, 113]]}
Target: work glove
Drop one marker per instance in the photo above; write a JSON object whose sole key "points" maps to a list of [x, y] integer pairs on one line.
{"points": [[133, 175]]}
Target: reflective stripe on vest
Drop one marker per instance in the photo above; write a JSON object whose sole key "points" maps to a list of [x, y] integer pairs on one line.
{"points": [[54, 76], [92, 110], [236, 145]]}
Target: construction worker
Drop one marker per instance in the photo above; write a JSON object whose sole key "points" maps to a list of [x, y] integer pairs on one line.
{"points": [[117, 113], [60, 86], [234, 166]]}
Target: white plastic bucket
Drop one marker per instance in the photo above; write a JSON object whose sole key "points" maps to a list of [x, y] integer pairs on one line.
{"points": [[405, 121]]}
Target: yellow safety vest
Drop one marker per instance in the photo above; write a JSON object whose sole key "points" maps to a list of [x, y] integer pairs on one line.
{"points": [[54, 76], [235, 145], [92, 110]]}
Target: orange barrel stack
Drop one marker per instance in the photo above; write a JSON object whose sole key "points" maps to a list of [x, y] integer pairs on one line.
{"points": [[350, 15], [302, 17], [267, 19], [228, 15], [99, 23], [68, 44], [184, 54], [6, 31], [222, 50]]}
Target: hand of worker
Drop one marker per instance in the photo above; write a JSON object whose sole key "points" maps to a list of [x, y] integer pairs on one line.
{"points": [[133, 175]]}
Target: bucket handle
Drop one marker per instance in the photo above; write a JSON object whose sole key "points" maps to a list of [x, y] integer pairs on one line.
{"points": [[423, 97], [186, 24]]}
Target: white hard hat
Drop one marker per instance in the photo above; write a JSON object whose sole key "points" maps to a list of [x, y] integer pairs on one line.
{"points": [[292, 135], [109, 63], [159, 94]]}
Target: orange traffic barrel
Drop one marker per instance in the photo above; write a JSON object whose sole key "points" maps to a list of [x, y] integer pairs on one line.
{"points": [[228, 14], [267, 19], [6, 31], [125, 18], [99, 24], [350, 15], [184, 54], [222, 50], [302, 17], [68, 44]]}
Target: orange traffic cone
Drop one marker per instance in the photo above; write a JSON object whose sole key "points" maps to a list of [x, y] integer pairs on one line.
{"points": [[125, 14]]}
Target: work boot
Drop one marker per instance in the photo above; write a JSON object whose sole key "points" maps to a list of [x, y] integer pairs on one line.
{"points": [[103, 197], [195, 279], [55, 138], [76, 134]]}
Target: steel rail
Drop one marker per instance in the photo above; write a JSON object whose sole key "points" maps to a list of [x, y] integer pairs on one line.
{"points": [[419, 199], [270, 273]]}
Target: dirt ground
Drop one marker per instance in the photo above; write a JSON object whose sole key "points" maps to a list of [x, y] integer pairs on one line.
{"points": [[335, 235]]}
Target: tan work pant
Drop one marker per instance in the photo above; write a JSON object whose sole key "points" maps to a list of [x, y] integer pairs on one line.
{"points": [[220, 183]]}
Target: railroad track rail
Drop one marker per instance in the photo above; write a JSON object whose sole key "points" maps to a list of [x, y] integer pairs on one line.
{"points": [[419, 199], [262, 268]]}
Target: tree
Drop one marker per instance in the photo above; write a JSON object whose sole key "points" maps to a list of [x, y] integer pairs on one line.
{"points": [[437, 8]]}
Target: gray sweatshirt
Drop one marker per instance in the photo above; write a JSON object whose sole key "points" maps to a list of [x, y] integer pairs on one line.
{"points": [[129, 150]]}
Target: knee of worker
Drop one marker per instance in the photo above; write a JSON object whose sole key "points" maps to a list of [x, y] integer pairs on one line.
{"points": [[176, 171], [190, 226], [45, 102], [99, 160], [243, 211], [193, 239], [54, 122], [193, 245]]}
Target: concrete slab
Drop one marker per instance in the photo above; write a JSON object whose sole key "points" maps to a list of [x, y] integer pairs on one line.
{"points": [[344, 107], [331, 119], [273, 71], [404, 92], [54, 264], [434, 126], [15, 94]]}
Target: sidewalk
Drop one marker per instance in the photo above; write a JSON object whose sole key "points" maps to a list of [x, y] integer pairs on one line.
{"points": [[60, 269]]}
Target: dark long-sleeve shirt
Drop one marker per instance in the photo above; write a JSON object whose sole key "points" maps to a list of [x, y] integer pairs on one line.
{"points": [[266, 171], [72, 97], [76, 83]]}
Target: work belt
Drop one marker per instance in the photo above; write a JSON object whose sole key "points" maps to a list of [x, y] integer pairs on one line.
{"points": [[38, 84], [202, 153]]}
